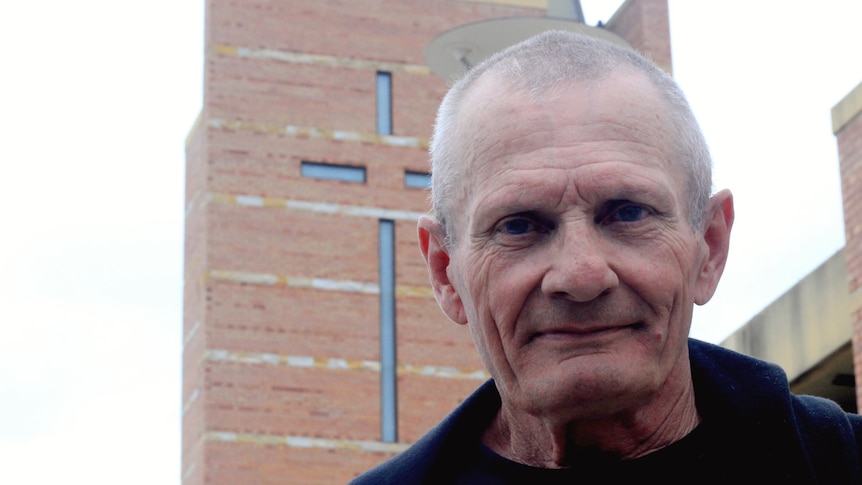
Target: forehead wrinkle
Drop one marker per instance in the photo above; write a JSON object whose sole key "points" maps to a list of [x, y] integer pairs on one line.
{"points": [[510, 139], [517, 192], [520, 191], [495, 151]]}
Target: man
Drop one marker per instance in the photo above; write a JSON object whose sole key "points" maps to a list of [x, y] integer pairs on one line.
{"points": [[574, 229]]}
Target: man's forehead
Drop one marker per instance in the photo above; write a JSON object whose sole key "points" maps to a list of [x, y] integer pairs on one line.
{"points": [[494, 110], [496, 92], [607, 180], [497, 117], [488, 93]]}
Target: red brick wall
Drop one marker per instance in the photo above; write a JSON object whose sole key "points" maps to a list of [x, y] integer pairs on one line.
{"points": [[280, 382], [646, 25], [849, 139]]}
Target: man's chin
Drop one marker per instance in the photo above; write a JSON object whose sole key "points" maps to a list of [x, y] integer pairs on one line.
{"points": [[587, 389]]}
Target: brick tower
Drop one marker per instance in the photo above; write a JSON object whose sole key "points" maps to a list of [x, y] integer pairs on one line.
{"points": [[313, 347], [847, 126]]}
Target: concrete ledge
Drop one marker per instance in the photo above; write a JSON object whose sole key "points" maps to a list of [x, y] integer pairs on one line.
{"points": [[847, 109], [803, 326]]}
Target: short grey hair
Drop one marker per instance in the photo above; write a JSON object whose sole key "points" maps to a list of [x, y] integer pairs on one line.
{"points": [[551, 60]]}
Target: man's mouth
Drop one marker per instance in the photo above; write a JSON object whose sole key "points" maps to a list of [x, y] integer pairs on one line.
{"points": [[586, 332]]}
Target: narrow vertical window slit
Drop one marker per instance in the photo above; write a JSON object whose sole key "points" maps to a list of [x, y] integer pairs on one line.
{"points": [[384, 103], [388, 364]]}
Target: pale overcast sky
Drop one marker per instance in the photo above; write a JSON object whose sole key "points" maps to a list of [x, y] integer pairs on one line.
{"points": [[97, 97]]}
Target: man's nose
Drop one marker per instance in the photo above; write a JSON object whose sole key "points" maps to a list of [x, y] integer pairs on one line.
{"points": [[578, 268]]}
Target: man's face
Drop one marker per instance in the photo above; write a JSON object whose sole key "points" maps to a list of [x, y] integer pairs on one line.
{"points": [[573, 260]]}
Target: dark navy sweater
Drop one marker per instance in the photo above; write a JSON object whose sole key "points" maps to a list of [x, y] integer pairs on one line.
{"points": [[753, 430]]}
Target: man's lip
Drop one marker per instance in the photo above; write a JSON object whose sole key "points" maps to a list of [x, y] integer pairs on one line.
{"points": [[583, 331]]}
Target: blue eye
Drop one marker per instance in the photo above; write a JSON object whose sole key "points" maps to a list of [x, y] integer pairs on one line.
{"points": [[517, 226], [630, 213], [622, 211]]}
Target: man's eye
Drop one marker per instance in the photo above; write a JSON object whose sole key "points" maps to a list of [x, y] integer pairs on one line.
{"points": [[517, 226], [631, 213], [627, 213]]}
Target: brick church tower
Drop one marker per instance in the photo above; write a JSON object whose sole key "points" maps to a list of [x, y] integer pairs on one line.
{"points": [[313, 347]]}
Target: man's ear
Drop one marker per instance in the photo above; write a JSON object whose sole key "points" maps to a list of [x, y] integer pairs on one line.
{"points": [[716, 235], [434, 250]]}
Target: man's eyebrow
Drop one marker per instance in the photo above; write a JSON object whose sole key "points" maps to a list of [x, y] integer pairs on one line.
{"points": [[632, 194], [627, 189]]}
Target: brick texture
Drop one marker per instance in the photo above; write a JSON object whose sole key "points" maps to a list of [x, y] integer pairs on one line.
{"points": [[849, 140]]}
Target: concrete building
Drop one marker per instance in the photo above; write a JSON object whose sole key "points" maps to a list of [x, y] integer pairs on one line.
{"points": [[313, 347], [814, 331]]}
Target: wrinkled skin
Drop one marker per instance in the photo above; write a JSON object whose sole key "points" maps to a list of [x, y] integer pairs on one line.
{"points": [[574, 264]]}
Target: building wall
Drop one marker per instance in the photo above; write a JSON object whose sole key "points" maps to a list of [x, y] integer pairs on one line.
{"points": [[646, 26], [806, 331], [281, 360], [847, 126], [802, 326]]}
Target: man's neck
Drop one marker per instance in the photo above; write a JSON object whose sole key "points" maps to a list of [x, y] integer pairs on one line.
{"points": [[546, 442]]}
